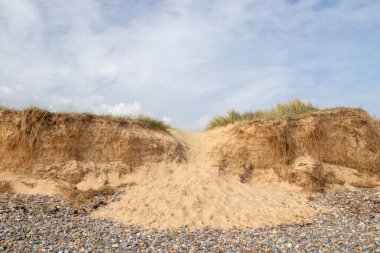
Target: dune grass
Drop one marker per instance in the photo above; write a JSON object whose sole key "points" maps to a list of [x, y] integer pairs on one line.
{"points": [[127, 120], [377, 124], [140, 120], [293, 108], [124, 120]]}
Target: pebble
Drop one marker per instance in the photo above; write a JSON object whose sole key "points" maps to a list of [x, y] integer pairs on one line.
{"points": [[38, 223]]}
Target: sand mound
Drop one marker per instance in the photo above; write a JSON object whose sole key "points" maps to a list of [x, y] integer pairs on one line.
{"points": [[344, 137], [69, 146], [195, 194]]}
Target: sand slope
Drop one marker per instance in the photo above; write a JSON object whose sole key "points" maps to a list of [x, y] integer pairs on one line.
{"points": [[195, 194]]}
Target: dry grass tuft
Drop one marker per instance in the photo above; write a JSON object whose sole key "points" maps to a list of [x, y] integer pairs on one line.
{"points": [[125, 120], [5, 188], [33, 121], [293, 108], [377, 124], [77, 198], [316, 179], [141, 120]]}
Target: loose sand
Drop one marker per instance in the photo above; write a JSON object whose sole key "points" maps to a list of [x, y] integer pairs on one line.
{"points": [[195, 194]]}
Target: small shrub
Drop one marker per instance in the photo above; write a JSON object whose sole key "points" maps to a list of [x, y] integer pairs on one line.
{"points": [[293, 108]]}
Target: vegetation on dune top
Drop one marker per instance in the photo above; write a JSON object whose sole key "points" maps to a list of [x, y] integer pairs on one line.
{"points": [[141, 120], [293, 108], [125, 120], [377, 124]]}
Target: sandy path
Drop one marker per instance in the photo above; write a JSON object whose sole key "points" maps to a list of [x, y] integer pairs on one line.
{"points": [[194, 194]]}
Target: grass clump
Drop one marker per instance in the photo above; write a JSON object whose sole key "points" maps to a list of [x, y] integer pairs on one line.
{"points": [[377, 124], [293, 108], [125, 120], [312, 179], [318, 178], [141, 120]]}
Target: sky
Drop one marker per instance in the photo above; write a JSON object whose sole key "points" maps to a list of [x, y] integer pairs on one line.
{"points": [[184, 62]]}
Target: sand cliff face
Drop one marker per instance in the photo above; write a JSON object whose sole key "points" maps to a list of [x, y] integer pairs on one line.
{"points": [[66, 146], [344, 137]]}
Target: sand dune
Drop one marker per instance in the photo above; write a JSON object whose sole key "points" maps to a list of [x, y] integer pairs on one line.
{"points": [[231, 176]]}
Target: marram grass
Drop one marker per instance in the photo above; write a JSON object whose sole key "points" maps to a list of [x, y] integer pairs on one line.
{"points": [[293, 108]]}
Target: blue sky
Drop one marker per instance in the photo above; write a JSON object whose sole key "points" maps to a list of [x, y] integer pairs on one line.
{"points": [[185, 61]]}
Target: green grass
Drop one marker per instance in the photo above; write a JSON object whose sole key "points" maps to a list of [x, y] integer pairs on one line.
{"points": [[293, 108]]}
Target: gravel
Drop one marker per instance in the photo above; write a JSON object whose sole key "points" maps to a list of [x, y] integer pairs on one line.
{"points": [[38, 223]]}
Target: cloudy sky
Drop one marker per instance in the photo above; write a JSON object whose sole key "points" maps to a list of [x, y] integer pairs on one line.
{"points": [[185, 61]]}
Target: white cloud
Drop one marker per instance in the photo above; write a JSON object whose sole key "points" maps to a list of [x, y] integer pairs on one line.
{"points": [[5, 91], [167, 120], [185, 60], [198, 124], [119, 109]]}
